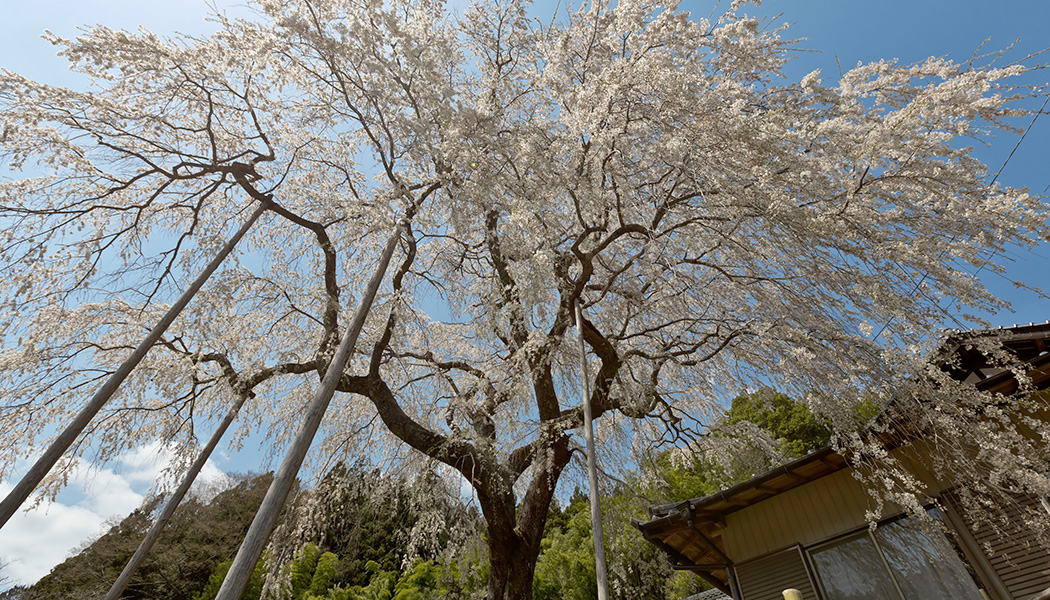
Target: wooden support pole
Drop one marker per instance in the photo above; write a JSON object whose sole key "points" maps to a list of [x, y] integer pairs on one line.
{"points": [[65, 439], [592, 465], [266, 517], [169, 509]]}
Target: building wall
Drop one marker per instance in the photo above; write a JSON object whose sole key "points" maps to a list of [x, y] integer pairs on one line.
{"points": [[804, 515], [839, 503], [813, 512]]}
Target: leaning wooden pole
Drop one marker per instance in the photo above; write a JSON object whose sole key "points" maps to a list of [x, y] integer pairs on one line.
{"points": [[592, 465], [65, 439], [266, 517], [169, 509]]}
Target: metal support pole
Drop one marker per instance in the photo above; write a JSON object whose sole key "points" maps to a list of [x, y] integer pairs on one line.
{"points": [[169, 509], [592, 465], [734, 583], [65, 439], [266, 517]]}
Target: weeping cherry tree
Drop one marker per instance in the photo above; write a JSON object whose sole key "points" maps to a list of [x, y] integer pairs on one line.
{"points": [[721, 227]]}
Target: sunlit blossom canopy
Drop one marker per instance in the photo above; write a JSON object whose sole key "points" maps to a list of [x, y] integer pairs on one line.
{"points": [[721, 227]]}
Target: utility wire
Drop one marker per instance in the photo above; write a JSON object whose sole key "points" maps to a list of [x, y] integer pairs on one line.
{"points": [[991, 183]]}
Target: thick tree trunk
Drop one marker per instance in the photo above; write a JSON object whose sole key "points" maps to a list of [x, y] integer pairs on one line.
{"points": [[512, 565], [515, 530]]}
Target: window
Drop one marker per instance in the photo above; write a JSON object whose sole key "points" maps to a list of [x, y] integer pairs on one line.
{"points": [[901, 559], [851, 568]]}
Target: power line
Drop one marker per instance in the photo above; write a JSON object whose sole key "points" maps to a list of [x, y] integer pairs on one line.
{"points": [[1018, 144], [991, 183]]}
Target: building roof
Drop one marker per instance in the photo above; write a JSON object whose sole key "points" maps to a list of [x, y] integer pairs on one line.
{"points": [[713, 594], [690, 531]]}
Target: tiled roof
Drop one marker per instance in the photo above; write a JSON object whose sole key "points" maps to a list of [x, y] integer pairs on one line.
{"points": [[712, 594]]}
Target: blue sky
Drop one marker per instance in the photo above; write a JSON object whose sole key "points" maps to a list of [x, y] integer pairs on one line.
{"points": [[836, 32], [844, 30]]}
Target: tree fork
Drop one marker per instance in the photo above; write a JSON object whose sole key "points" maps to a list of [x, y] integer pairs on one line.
{"points": [[266, 517], [65, 439]]}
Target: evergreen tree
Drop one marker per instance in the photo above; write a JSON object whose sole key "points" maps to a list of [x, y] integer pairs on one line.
{"points": [[252, 592], [796, 430], [637, 570]]}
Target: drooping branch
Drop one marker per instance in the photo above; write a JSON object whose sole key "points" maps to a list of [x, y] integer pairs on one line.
{"points": [[262, 525], [65, 439], [165, 515], [331, 285]]}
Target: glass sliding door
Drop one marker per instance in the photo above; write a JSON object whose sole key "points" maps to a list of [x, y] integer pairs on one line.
{"points": [[851, 568], [900, 560], [923, 563]]}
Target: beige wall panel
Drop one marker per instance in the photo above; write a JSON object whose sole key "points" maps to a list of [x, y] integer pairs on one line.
{"points": [[916, 459], [816, 511], [808, 520], [804, 515]]}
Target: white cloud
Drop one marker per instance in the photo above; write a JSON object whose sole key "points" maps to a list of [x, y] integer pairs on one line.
{"points": [[33, 542]]}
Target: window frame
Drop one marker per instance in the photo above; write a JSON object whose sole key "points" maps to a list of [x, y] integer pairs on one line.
{"points": [[867, 531], [870, 534]]}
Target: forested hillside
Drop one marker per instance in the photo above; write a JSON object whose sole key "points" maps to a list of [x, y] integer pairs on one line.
{"points": [[200, 535], [364, 535], [385, 539]]}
